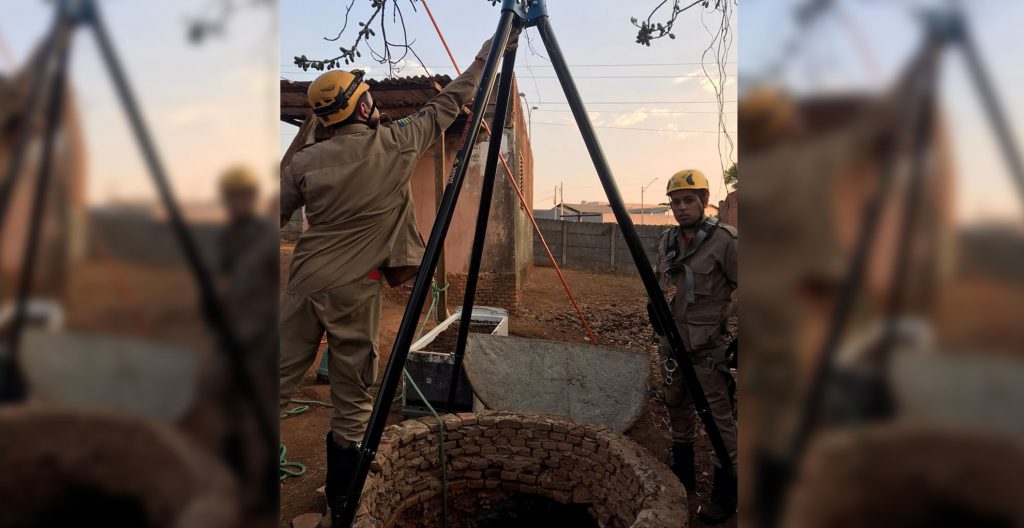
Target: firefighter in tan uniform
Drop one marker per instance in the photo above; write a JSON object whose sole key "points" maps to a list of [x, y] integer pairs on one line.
{"points": [[355, 188], [697, 270]]}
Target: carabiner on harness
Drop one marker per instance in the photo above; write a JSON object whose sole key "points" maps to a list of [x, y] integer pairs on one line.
{"points": [[670, 366]]}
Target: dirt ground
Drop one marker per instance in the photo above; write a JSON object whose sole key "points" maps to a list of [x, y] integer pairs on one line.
{"points": [[615, 307]]}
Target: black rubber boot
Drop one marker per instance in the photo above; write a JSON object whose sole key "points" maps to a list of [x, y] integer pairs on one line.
{"points": [[341, 463], [723, 498], [682, 465]]}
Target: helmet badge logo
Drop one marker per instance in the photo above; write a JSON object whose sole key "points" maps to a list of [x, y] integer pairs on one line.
{"points": [[689, 179]]}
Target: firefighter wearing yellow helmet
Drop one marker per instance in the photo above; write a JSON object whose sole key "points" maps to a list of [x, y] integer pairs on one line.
{"points": [[336, 96], [248, 267], [354, 185], [696, 267]]}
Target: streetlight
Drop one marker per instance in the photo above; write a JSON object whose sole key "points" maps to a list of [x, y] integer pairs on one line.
{"points": [[529, 113], [642, 189]]}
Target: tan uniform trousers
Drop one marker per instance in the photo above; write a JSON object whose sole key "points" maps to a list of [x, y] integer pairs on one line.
{"points": [[714, 380], [350, 314]]}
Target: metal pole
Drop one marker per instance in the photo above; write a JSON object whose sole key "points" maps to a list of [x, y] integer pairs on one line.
{"points": [[996, 114], [636, 247], [12, 383], [440, 158], [917, 77], [59, 37], [502, 101], [210, 304], [410, 318]]}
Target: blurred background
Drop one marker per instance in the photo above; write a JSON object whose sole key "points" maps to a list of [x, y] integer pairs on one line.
{"points": [[104, 277], [883, 263]]}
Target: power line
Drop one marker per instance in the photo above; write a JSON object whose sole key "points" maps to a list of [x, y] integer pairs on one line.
{"points": [[521, 76], [651, 112], [634, 102], [607, 65], [634, 128]]}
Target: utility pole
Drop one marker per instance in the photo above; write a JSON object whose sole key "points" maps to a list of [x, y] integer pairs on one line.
{"points": [[561, 200], [642, 189]]}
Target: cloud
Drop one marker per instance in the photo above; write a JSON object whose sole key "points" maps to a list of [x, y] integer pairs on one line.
{"points": [[698, 76], [409, 68], [710, 85], [632, 118]]}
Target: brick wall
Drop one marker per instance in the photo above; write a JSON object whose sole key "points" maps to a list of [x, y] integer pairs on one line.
{"points": [[500, 290], [491, 453]]}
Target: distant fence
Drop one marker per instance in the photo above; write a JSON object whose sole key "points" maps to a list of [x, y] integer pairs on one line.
{"points": [[592, 246], [139, 238]]}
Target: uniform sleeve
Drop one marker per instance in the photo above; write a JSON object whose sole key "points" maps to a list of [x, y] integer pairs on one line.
{"points": [[291, 195], [731, 262], [418, 131]]}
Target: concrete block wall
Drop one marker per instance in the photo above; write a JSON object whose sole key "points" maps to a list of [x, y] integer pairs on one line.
{"points": [[592, 246], [621, 484]]}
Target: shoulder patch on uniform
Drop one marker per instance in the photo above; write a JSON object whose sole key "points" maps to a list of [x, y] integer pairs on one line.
{"points": [[732, 230], [402, 122]]}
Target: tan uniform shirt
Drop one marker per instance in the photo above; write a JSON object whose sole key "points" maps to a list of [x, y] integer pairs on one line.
{"points": [[700, 314], [355, 188]]}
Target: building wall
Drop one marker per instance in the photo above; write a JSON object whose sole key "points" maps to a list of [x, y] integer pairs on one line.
{"points": [[508, 250], [593, 247], [728, 209], [63, 232]]}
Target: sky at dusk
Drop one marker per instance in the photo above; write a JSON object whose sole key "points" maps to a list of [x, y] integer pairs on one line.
{"points": [[654, 110]]}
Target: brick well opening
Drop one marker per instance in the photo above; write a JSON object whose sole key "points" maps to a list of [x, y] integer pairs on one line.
{"points": [[521, 469]]}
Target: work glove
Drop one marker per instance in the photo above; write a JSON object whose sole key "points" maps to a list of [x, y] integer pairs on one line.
{"points": [[513, 43]]}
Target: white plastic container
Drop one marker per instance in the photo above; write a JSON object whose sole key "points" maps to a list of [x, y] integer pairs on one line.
{"points": [[432, 370]]}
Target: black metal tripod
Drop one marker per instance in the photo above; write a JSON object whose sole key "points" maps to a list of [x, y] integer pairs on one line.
{"points": [[920, 84], [53, 64], [515, 15]]}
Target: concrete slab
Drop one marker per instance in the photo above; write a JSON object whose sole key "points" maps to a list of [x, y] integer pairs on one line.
{"points": [[142, 378], [582, 382]]}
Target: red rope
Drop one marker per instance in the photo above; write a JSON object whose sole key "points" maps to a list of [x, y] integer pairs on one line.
{"points": [[519, 192]]}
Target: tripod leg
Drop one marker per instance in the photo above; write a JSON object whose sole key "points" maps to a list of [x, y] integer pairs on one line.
{"points": [[486, 191], [59, 37], [636, 247], [12, 384], [211, 307], [775, 473], [995, 111], [911, 206], [421, 287], [917, 78]]}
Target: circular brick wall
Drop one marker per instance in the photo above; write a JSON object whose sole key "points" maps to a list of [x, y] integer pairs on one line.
{"points": [[492, 455]]}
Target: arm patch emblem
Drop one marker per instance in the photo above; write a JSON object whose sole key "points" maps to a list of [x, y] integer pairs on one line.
{"points": [[403, 121]]}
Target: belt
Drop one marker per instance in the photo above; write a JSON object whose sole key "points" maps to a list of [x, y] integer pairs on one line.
{"points": [[374, 275]]}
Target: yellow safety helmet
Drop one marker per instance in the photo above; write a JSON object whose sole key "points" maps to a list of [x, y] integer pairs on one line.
{"points": [[687, 179], [239, 178], [335, 95], [765, 114]]}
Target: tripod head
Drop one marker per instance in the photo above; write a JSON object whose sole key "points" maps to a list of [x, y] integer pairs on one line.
{"points": [[529, 11]]}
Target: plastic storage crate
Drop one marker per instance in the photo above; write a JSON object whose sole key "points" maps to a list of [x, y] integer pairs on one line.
{"points": [[432, 371]]}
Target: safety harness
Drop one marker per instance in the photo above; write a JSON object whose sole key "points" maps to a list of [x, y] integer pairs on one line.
{"points": [[705, 229]]}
